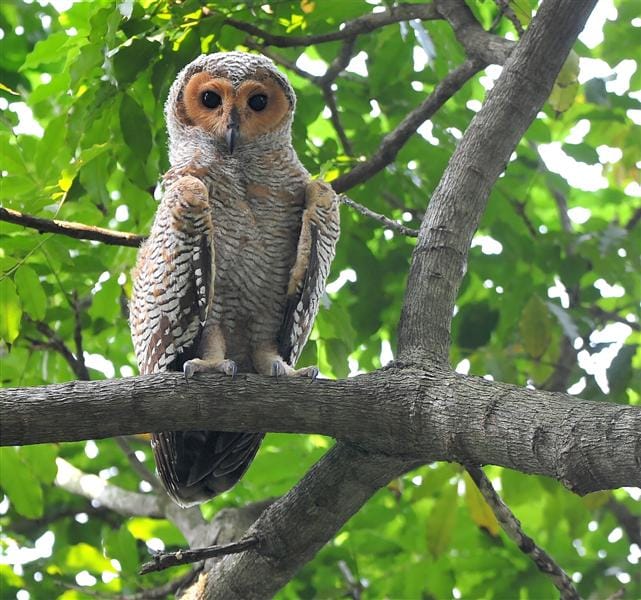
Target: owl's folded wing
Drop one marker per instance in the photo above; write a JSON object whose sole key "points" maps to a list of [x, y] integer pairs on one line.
{"points": [[320, 230], [172, 288]]}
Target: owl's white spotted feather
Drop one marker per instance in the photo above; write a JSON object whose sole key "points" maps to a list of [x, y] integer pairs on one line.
{"points": [[272, 232]]}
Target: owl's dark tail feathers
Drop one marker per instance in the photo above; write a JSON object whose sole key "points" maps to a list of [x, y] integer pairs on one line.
{"points": [[195, 466]]}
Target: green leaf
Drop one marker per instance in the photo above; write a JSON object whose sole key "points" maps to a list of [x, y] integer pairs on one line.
{"points": [[11, 312], [20, 484], [121, 545], [475, 323], [619, 372], [34, 300], [41, 459], [536, 327], [133, 58], [135, 127], [440, 522], [49, 50]]}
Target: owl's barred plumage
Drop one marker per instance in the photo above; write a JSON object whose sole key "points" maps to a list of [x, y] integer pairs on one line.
{"points": [[231, 276]]}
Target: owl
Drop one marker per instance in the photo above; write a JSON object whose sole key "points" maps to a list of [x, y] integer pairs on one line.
{"points": [[231, 275]]}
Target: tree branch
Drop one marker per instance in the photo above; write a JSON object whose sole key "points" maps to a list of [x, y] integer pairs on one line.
{"points": [[440, 257], [512, 527], [108, 495], [164, 560], [327, 496], [71, 229], [389, 223], [351, 29], [586, 445], [392, 143]]}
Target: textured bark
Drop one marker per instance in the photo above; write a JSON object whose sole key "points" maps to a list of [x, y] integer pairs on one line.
{"points": [[408, 413], [331, 492]]}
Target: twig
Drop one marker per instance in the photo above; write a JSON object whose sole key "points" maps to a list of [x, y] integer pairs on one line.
{"points": [[137, 465], [71, 229], [402, 229], [519, 209], [512, 527], [360, 25], [77, 335], [164, 560], [355, 586], [611, 315], [634, 219], [330, 101], [55, 342], [506, 9], [392, 143]]}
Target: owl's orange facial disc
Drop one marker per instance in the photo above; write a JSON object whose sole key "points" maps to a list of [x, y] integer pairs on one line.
{"points": [[207, 101], [255, 108]]}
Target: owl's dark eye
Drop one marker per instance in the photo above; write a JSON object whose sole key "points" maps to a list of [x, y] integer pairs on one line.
{"points": [[257, 102], [211, 99]]}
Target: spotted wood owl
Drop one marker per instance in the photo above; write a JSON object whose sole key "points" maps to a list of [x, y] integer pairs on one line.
{"points": [[231, 275]]}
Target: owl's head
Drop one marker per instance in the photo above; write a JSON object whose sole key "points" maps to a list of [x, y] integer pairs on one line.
{"points": [[226, 101]]}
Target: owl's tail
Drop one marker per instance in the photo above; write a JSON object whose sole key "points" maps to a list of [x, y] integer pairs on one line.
{"points": [[195, 466]]}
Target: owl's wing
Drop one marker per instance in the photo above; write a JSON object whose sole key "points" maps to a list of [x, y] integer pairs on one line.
{"points": [[172, 288], [320, 230]]}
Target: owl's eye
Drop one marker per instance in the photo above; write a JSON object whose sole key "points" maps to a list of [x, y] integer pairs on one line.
{"points": [[211, 99], [257, 102]]}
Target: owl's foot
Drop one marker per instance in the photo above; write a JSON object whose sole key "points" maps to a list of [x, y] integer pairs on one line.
{"points": [[198, 365], [280, 368]]}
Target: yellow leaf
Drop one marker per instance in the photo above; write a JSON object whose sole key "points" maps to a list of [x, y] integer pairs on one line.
{"points": [[307, 6], [4, 88], [479, 509], [566, 84]]}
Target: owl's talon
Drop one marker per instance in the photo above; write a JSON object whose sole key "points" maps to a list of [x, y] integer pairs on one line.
{"points": [[278, 369], [189, 369]]}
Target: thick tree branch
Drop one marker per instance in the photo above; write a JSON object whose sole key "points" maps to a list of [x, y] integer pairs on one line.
{"points": [[440, 257], [512, 527], [329, 494], [71, 229], [586, 445]]}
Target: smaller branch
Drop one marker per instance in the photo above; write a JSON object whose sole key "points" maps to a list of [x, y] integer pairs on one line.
{"points": [[389, 223], [392, 143], [137, 465], [634, 219], [512, 527], [164, 560], [519, 209], [69, 228], [630, 523], [506, 10], [77, 336], [355, 587], [351, 29], [340, 62], [610, 315], [330, 101], [55, 342], [108, 495], [477, 43]]}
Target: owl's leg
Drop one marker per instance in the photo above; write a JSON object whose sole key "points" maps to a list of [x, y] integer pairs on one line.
{"points": [[268, 362], [212, 350]]}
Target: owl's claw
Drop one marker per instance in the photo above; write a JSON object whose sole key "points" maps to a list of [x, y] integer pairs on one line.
{"points": [[278, 369], [197, 365]]}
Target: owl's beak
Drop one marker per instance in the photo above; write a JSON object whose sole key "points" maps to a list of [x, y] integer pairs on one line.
{"points": [[232, 130]]}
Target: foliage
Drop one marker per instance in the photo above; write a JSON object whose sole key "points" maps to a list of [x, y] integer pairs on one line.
{"points": [[555, 267]]}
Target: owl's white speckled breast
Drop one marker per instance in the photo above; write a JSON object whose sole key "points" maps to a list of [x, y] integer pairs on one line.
{"points": [[257, 217]]}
